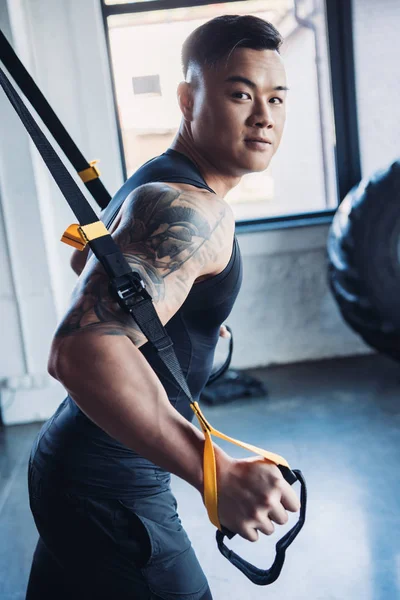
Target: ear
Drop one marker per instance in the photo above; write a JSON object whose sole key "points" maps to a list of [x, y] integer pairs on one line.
{"points": [[185, 99]]}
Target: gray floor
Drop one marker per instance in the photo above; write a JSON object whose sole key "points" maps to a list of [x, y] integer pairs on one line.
{"points": [[339, 421]]}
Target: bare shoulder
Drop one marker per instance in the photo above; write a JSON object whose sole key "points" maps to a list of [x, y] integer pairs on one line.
{"points": [[172, 237], [156, 204], [169, 226]]}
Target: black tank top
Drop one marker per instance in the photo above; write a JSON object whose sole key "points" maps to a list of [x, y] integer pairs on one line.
{"points": [[70, 443]]}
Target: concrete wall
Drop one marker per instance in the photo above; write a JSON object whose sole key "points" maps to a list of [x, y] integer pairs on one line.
{"points": [[284, 313]]}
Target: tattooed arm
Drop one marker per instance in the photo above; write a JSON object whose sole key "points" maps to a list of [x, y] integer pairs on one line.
{"points": [[172, 238]]}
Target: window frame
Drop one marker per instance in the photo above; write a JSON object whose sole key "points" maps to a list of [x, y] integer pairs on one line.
{"points": [[339, 17]]}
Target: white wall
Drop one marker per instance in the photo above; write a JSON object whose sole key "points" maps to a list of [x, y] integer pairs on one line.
{"points": [[377, 52], [284, 313], [62, 45]]}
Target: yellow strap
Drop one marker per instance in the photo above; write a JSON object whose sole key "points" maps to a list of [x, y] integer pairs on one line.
{"points": [[78, 236], [90, 173], [210, 481], [210, 473]]}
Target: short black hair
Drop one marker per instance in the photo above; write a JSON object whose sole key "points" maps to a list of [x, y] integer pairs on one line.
{"points": [[210, 43]]}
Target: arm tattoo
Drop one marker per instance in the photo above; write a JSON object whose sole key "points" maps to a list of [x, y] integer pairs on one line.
{"points": [[163, 231]]}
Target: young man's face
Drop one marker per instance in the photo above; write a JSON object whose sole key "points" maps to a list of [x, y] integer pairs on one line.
{"points": [[236, 103]]}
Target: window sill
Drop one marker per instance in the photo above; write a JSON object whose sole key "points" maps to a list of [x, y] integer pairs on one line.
{"points": [[293, 234], [285, 222]]}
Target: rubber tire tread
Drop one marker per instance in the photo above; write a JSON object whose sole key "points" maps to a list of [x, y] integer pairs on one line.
{"points": [[363, 260]]}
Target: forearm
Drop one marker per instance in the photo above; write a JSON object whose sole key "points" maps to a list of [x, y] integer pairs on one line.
{"points": [[120, 392]]}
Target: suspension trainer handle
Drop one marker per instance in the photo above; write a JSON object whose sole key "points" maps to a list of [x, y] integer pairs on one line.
{"points": [[268, 576]]}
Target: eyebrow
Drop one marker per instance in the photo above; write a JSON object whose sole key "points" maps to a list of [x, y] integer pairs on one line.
{"points": [[251, 84]]}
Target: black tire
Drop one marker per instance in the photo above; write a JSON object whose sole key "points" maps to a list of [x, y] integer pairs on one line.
{"points": [[364, 263]]}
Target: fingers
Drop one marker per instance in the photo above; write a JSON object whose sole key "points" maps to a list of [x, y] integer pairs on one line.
{"points": [[265, 522], [249, 533], [261, 502], [290, 500], [279, 515], [266, 527]]}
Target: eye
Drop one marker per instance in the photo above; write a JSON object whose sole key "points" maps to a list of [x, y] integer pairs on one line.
{"points": [[280, 101], [237, 94]]}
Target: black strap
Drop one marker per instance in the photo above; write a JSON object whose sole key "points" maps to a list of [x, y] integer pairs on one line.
{"points": [[129, 291], [50, 119], [147, 318]]}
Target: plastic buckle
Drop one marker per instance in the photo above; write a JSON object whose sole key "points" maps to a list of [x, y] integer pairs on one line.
{"points": [[129, 290]]}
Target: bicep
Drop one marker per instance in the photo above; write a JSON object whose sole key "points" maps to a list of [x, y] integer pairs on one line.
{"points": [[169, 240], [94, 309]]}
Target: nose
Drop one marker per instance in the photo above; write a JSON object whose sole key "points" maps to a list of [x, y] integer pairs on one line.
{"points": [[262, 117]]}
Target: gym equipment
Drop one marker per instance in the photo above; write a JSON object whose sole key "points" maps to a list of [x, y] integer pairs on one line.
{"points": [[232, 385], [364, 259], [87, 171], [226, 385]]}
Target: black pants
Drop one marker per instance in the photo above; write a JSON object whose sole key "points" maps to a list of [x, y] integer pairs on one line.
{"points": [[95, 549]]}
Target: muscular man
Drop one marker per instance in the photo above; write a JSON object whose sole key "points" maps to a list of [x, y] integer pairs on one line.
{"points": [[100, 468]]}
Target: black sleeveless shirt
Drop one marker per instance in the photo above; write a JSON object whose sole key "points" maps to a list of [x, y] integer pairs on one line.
{"points": [[69, 442]]}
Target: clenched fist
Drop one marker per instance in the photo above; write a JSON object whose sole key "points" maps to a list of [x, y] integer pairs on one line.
{"points": [[252, 495]]}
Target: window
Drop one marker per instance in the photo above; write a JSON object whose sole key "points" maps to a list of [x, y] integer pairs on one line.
{"points": [[147, 84], [145, 40], [115, 2]]}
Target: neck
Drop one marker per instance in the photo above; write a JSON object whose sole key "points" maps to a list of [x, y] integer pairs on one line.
{"points": [[215, 179]]}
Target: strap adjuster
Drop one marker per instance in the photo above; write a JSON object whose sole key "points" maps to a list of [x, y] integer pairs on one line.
{"points": [[129, 290], [90, 173], [79, 236]]}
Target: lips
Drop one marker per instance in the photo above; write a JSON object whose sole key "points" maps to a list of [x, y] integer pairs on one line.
{"points": [[258, 139], [257, 144]]}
